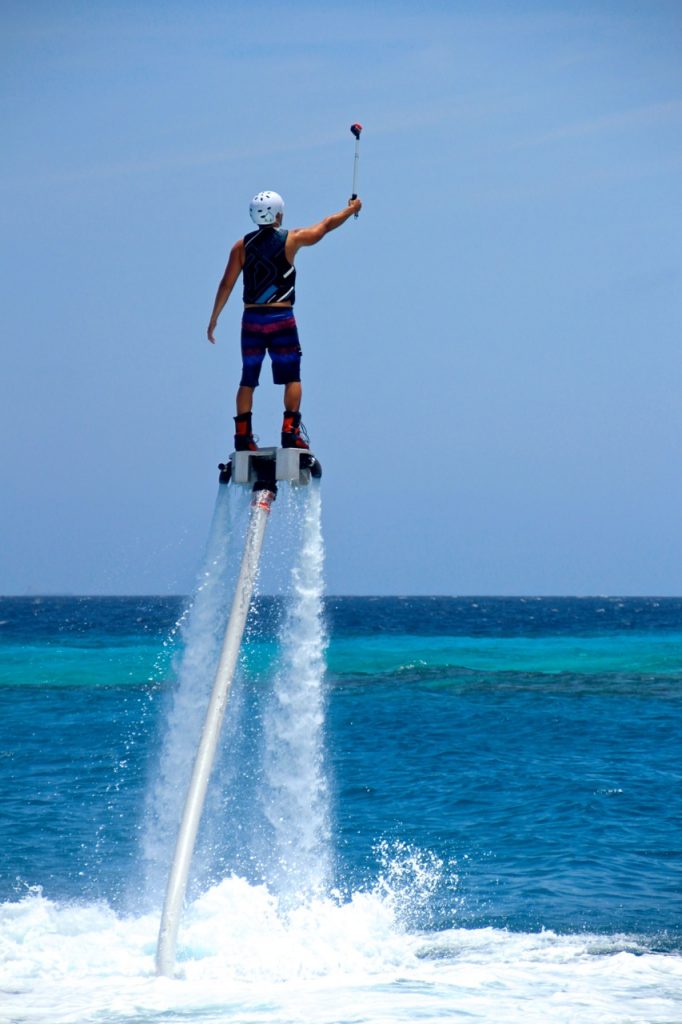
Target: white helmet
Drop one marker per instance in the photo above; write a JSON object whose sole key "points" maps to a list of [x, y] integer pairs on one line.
{"points": [[265, 206]]}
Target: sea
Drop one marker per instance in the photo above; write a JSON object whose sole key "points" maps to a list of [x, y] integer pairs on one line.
{"points": [[422, 808]]}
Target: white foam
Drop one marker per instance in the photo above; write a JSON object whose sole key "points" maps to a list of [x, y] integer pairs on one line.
{"points": [[242, 957]]}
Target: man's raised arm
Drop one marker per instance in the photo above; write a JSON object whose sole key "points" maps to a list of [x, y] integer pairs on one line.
{"points": [[300, 237]]}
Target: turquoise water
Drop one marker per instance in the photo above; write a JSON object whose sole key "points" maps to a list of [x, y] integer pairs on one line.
{"points": [[503, 797]]}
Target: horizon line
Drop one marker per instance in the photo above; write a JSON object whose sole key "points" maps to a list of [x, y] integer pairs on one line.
{"points": [[401, 597]]}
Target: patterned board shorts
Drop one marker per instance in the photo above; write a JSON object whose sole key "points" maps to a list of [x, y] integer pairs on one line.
{"points": [[273, 330]]}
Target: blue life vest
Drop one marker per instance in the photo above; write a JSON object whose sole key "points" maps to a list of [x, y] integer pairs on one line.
{"points": [[268, 275]]}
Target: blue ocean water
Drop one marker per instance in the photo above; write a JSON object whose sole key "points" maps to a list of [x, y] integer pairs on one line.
{"points": [[502, 813]]}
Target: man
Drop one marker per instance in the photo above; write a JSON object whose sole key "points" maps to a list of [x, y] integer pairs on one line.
{"points": [[266, 258]]}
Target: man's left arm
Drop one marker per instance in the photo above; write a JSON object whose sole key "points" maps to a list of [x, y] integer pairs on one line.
{"points": [[233, 269]]}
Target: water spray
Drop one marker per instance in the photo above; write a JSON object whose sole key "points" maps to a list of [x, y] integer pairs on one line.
{"points": [[263, 469]]}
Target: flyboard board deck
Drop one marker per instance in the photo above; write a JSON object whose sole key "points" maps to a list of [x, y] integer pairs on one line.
{"points": [[271, 465]]}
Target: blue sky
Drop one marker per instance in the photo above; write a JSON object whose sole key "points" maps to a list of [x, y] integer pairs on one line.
{"points": [[491, 352]]}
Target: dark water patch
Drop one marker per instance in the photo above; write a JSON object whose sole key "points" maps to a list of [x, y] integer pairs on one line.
{"points": [[502, 616], [23, 618], [458, 679], [93, 620]]}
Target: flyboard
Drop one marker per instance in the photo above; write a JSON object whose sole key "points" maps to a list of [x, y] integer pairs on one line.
{"points": [[262, 470], [270, 465]]}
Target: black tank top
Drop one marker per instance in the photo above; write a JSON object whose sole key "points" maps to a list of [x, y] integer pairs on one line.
{"points": [[268, 275]]}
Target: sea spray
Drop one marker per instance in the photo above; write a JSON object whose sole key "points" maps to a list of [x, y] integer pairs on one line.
{"points": [[295, 794], [413, 883], [201, 629]]}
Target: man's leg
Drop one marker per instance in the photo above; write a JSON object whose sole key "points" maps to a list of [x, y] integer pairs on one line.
{"points": [[285, 352], [292, 396], [244, 400], [253, 352]]}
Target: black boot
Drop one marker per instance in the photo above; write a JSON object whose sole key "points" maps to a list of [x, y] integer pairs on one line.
{"points": [[243, 438], [291, 431]]}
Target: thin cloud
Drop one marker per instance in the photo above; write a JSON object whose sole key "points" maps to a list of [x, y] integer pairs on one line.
{"points": [[172, 162], [638, 116], [397, 122]]}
